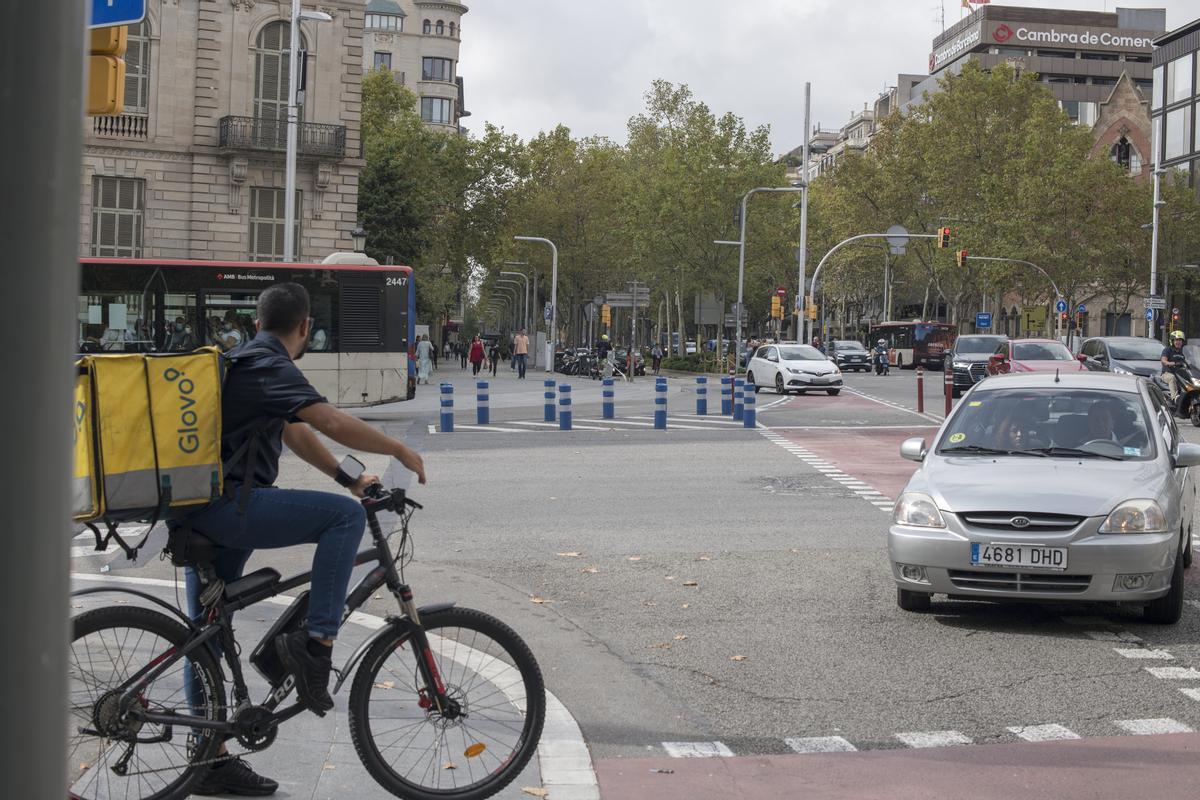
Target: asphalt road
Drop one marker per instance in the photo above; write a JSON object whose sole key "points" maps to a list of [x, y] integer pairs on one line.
{"points": [[728, 588]]}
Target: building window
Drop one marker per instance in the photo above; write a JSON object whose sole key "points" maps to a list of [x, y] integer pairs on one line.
{"points": [[1159, 85], [1145, 84], [1179, 79], [426, 27], [1081, 111], [437, 69], [1099, 81], [266, 224], [271, 82], [1056, 54], [437, 109], [1058, 79], [453, 29], [137, 70], [385, 22], [1137, 59], [383, 60], [118, 208], [441, 28], [1178, 135], [1125, 154], [1100, 56], [1010, 52]]}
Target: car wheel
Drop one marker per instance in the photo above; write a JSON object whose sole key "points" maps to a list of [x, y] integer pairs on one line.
{"points": [[1187, 551], [779, 384], [912, 601], [832, 392], [1167, 609]]}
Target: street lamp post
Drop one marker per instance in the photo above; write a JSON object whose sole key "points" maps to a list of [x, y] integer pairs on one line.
{"points": [[359, 235], [802, 253], [293, 127], [524, 277], [553, 337], [1046, 275], [514, 301], [522, 308]]}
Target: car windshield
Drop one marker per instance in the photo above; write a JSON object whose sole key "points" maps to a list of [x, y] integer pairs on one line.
{"points": [[1055, 422], [801, 353], [840, 345], [976, 344], [1041, 351], [1135, 350]]}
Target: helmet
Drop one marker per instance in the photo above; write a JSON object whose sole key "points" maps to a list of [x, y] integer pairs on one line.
{"points": [[882, 341], [1177, 335], [604, 337]]}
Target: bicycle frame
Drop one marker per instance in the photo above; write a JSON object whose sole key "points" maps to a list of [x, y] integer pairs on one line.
{"points": [[218, 625]]}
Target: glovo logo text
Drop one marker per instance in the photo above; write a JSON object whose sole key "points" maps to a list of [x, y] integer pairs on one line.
{"points": [[188, 440]]}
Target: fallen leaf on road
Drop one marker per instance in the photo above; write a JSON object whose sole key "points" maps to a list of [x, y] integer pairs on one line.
{"points": [[663, 645], [649, 603], [329, 766], [679, 637], [670, 577], [685, 605], [737, 658], [661, 771], [535, 792], [635, 558], [385, 685], [377, 597], [592, 570], [704, 558], [449, 765], [690, 583], [572, 554], [535, 599]]}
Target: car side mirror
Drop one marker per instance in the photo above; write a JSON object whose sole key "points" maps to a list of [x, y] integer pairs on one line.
{"points": [[1082, 358], [1188, 455], [996, 358], [914, 449]]}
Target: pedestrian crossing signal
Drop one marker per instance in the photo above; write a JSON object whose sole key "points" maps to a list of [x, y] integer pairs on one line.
{"points": [[106, 71], [943, 237], [606, 314]]}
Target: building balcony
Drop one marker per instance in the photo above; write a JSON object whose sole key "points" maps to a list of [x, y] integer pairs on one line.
{"points": [[252, 134], [124, 126]]}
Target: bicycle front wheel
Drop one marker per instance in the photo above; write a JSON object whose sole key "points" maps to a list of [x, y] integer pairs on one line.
{"points": [[111, 754], [469, 752]]}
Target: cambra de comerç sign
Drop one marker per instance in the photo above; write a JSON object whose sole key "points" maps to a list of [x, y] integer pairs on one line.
{"points": [[1018, 34]]}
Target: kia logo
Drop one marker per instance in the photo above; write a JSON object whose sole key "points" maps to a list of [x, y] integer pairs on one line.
{"points": [[1002, 34], [1020, 522]]}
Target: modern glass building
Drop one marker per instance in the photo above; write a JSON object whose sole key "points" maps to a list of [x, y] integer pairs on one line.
{"points": [[1176, 100]]}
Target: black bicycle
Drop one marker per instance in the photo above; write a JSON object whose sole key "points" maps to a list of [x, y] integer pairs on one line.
{"points": [[445, 703]]}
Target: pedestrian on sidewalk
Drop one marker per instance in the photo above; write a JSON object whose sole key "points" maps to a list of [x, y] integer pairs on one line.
{"points": [[494, 356], [656, 357], [433, 352], [462, 354], [476, 355], [424, 359], [520, 352]]}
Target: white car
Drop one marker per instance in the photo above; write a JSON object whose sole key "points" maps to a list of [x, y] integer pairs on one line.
{"points": [[793, 367]]}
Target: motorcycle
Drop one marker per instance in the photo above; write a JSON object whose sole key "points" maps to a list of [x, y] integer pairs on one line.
{"points": [[882, 364], [1187, 402]]}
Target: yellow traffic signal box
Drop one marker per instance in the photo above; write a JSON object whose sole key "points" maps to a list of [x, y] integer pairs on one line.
{"points": [[106, 71]]}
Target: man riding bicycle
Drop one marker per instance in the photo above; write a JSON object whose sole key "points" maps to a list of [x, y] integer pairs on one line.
{"points": [[1173, 363], [267, 402]]}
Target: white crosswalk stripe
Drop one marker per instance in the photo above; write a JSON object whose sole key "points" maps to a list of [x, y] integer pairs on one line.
{"points": [[696, 749], [1044, 733], [923, 739], [1150, 727], [820, 744]]}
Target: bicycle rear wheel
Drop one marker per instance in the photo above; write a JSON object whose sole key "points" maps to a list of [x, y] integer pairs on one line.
{"points": [[416, 752], [110, 756]]}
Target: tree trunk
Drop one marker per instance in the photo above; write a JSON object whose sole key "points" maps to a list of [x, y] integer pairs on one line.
{"points": [[682, 328]]}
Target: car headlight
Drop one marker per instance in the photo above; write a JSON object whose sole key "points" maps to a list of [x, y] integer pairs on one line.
{"points": [[795, 371], [918, 510], [962, 364], [1117, 369], [1136, 516]]}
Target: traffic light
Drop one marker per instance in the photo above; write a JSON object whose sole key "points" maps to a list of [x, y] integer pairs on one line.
{"points": [[606, 314], [106, 71], [811, 310], [960, 257], [1064, 316], [943, 237], [776, 308]]}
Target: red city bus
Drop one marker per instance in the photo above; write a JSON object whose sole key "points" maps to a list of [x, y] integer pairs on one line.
{"points": [[363, 316], [915, 343]]}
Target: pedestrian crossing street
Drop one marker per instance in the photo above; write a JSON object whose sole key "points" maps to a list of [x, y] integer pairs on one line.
{"points": [[688, 422]]}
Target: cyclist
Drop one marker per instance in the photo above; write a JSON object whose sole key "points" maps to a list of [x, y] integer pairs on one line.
{"points": [[1173, 362], [267, 402]]}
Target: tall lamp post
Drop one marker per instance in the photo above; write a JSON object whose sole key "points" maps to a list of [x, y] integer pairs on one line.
{"points": [[293, 127], [553, 337], [524, 277], [522, 308]]}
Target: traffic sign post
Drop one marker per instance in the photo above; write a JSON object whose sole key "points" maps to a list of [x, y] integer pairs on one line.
{"points": [[983, 319], [1060, 306], [1150, 315], [108, 13], [1155, 302]]}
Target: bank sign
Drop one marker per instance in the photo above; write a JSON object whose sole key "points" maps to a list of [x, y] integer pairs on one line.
{"points": [[1023, 35]]}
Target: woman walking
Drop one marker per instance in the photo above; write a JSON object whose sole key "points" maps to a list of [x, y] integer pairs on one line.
{"points": [[476, 355], [424, 359]]}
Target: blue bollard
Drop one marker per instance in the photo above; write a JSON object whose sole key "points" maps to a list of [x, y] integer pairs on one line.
{"points": [[660, 405], [701, 397], [748, 413], [739, 392], [447, 425], [564, 407], [726, 396], [481, 402], [609, 405], [549, 395]]}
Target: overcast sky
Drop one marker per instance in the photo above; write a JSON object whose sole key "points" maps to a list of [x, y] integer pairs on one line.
{"points": [[531, 64]]}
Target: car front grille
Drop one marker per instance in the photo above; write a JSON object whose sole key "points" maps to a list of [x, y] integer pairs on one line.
{"points": [[1033, 582], [978, 372], [1037, 523]]}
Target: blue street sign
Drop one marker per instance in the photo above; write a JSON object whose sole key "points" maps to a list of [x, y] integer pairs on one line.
{"points": [[1060, 306], [1150, 314], [983, 319], [106, 13], [1082, 308], [547, 312]]}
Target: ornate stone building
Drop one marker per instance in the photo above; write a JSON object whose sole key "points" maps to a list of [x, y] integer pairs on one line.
{"points": [[1122, 129], [194, 167]]}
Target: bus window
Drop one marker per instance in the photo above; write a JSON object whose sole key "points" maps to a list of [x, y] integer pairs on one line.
{"points": [[108, 322]]}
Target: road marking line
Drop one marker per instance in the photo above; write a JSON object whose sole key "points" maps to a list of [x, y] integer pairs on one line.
{"points": [[1109, 636], [1141, 652], [697, 750], [849, 427], [1149, 727], [1174, 673], [555, 425], [820, 744], [1044, 733], [1192, 693], [923, 739], [896, 406], [432, 429]]}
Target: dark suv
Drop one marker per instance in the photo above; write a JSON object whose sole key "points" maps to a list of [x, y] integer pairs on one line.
{"points": [[968, 360], [850, 355]]}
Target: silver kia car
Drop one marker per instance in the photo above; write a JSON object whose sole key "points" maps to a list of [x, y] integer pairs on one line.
{"points": [[1049, 487]]}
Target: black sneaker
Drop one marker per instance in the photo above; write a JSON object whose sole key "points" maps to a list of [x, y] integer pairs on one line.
{"points": [[234, 777], [311, 672]]}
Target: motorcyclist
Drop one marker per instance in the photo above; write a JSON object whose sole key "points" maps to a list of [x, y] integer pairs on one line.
{"points": [[880, 352], [1173, 363], [603, 347]]}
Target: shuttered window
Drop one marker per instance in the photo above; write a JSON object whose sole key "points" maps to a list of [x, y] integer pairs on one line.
{"points": [[118, 208], [266, 224], [271, 83], [137, 70], [361, 311]]}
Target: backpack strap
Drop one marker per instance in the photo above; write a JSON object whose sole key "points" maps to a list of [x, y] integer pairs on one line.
{"points": [[256, 430], [112, 535]]}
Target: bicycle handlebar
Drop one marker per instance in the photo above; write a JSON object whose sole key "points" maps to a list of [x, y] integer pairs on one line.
{"points": [[376, 499]]}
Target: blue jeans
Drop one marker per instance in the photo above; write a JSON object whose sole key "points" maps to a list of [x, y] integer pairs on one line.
{"points": [[519, 360]]}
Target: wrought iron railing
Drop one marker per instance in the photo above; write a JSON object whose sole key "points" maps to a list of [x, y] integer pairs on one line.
{"points": [[125, 126], [253, 133]]}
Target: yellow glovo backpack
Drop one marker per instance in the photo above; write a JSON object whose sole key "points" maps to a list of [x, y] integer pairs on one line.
{"points": [[147, 438]]}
